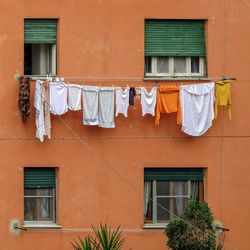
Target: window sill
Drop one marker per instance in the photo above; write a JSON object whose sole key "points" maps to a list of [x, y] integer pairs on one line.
{"points": [[41, 226], [179, 78], [36, 77], [155, 226]]}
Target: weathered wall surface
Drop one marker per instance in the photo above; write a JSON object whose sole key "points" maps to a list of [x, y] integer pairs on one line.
{"points": [[100, 38]]}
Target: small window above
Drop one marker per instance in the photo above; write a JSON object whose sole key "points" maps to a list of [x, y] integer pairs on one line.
{"points": [[40, 38], [175, 48]]}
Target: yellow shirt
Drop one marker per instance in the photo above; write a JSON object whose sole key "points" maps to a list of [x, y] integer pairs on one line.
{"points": [[223, 97]]}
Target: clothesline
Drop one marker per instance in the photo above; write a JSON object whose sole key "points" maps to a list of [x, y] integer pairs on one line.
{"points": [[77, 81], [129, 79]]}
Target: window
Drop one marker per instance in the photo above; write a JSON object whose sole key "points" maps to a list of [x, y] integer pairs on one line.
{"points": [[167, 190], [175, 48], [39, 196], [40, 36]]}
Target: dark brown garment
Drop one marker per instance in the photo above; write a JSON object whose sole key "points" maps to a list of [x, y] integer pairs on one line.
{"points": [[24, 97]]}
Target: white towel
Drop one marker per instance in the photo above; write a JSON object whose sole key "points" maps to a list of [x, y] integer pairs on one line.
{"points": [[197, 107], [58, 98], [148, 101], [90, 105], [74, 97], [122, 101], [106, 107]]}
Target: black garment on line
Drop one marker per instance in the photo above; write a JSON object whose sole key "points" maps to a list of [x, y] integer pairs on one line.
{"points": [[132, 94]]}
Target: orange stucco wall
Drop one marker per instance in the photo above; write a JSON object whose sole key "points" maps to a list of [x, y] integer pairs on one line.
{"points": [[105, 38]]}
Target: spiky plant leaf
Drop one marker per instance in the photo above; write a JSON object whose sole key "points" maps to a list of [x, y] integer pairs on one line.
{"points": [[108, 239], [83, 244]]}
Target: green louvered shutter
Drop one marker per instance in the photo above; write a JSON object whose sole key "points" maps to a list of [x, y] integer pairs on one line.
{"points": [[173, 174], [39, 178], [40, 30], [174, 38]]}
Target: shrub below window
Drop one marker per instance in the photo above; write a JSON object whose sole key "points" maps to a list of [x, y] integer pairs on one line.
{"points": [[194, 230]]}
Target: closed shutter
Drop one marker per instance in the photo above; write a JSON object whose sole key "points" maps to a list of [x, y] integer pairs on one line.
{"points": [[173, 174], [174, 38], [39, 178], [40, 30]]}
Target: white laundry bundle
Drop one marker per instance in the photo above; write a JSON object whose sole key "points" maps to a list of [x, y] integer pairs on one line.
{"points": [[148, 101], [122, 101], [197, 107], [42, 106], [90, 105], [106, 107], [58, 98], [74, 97]]}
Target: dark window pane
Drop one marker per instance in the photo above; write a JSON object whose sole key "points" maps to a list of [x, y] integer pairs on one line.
{"points": [[169, 208], [27, 59], [148, 64], [148, 202], [38, 209], [195, 64], [172, 188], [163, 188], [163, 206]]}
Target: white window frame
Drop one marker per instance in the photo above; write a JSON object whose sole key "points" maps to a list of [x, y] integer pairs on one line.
{"points": [[172, 73]]}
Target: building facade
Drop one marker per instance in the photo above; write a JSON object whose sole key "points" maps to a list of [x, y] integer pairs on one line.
{"points": [[86, 175]]}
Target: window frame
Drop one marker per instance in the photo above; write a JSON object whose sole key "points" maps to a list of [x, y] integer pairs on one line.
{"points": [[39, 223], [172, 73], [154, 224]]}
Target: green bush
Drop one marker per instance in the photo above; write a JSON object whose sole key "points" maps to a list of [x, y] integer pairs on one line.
{"points": [[194, 231]]}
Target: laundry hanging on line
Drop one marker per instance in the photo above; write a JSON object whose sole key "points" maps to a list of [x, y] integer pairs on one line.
{"points": [[168, 101], [148, 101], [24, 97], [106, 107], [223, 97], [122, 101], [58, 98], [197, 108], [194, 104], [41, 103], [74, 97]]}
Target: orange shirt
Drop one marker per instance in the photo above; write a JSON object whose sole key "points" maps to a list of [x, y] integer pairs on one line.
{"points": [[167, 102]]}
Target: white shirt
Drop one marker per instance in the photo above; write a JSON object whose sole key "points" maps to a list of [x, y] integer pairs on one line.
{"points": [[58, 98], [122, 101], [148, 101], [197, 107]]}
